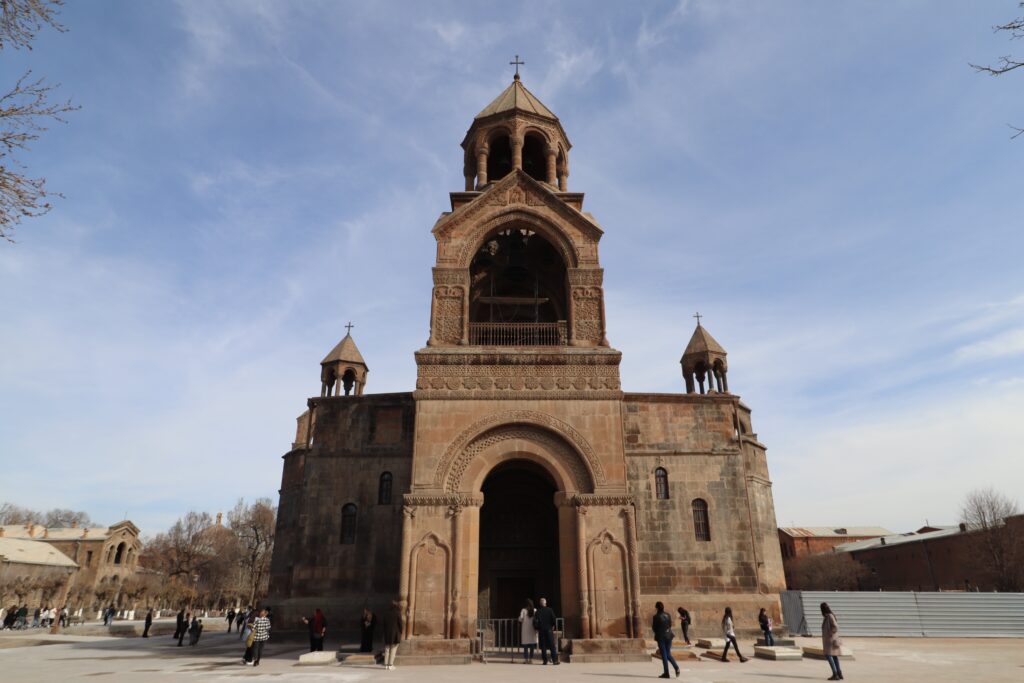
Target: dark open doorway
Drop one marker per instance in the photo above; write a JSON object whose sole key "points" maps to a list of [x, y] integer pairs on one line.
{"points": [[518, 540]]}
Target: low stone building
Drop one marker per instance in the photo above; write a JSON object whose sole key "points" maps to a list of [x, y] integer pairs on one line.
{"points": [[953, 558], [518, 467], [105, 556], [798, 542], [32, 573]]}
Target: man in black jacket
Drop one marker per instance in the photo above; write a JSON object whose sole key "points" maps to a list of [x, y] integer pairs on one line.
{"points": [[149, 623], [544, 621], [179, 624]]}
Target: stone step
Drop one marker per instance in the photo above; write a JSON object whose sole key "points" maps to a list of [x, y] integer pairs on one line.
{"points": [[816, 652], [779, 642], [717, 655], [711, 643], [679, 655], [778, 653], [318, 658], [356, 658]]}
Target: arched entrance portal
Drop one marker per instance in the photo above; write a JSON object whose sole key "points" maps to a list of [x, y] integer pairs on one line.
{"points": [[519, 556]]}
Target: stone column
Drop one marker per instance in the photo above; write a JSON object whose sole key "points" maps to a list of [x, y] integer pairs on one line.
{"points": [[725, 383], [581, 540], [552, 175], [517, 152], [455, 627], [481, 168], [634, 568], [408, 515]]}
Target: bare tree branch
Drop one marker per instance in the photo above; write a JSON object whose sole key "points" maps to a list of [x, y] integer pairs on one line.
{"points": [[1006, 63], [21, 20]]}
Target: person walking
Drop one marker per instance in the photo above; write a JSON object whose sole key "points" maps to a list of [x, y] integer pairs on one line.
{"points": [[392, 634], [260, 636], [545, 621], [765, 622], [831, 644], [527, 632], [64, 616], [240, 619], [730, 636], [193, 632], [663, 635], [367, 625], [231, 618], [317, 626], [149, 623], [184, 629], [684, 623], [179, 623], [250, 621]]}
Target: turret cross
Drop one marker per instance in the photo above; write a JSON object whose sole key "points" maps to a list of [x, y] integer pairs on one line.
{"points": [[517, 64], [349, 327], [698, 316]]}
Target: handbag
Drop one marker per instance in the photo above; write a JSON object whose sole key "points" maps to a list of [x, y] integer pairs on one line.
{"points": [[536, 621], [251, 639]]}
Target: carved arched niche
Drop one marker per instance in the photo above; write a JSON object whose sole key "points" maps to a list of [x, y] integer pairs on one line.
{"points": [[520, 434]]}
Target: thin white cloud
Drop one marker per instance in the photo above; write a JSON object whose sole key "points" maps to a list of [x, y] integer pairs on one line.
{"points": [[1002, 345]]}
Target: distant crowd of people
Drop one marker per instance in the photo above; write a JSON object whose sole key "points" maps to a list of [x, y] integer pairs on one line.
{"points": [[17, 618]]}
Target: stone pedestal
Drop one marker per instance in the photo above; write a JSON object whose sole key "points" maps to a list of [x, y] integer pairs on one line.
{"points": [[711, 643], [434, 651], [318, 658], [586, 650], [778, 652], [816, 652], [779, 642]]}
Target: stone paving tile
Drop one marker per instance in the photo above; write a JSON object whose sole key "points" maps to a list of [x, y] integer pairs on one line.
{"points": [[217, 658]]}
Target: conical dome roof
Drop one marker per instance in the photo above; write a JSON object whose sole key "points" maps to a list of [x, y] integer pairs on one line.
{"points": [[516, 97], [702, 342], [345, 351]]}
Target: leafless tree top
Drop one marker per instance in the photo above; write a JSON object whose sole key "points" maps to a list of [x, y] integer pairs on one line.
{"points": [[986, 509], [21, 20]]}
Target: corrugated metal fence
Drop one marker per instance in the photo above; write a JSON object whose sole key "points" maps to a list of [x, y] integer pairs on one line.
{"points": [[908, 614]]}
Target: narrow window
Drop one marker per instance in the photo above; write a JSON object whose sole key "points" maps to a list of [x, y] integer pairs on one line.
{"points": [[661, 483], [348, 524], [120, 554], [701, 526], [88, 558], [384, 489]]}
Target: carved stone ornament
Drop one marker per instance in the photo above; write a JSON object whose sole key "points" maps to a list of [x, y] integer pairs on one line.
{"points": [[448, 313], [443, 500], [470, 442]]}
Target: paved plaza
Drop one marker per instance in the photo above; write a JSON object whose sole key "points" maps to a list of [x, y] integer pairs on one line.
{"points": [[218, 657]]}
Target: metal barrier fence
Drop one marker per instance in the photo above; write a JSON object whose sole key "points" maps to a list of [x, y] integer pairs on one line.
{"points": [[908, 614], [501, 637]]}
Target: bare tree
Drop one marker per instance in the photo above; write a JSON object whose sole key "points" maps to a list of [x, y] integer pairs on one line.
{"points": [[833, 571], [998, 547], [1006, 63], [59, 517], [184, 550], [253, 526], [24, 112]]}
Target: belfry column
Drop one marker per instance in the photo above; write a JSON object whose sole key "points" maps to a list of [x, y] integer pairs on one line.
{"points": [[408, 515], [481, 167], [552, 171], [517, 152]]}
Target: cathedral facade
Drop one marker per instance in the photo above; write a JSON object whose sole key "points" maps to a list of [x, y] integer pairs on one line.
{"points": [[518, 467]]}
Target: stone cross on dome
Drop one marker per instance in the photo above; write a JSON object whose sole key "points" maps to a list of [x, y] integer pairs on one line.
{"points": [[517, 64], [698, 316], [348, 327]]}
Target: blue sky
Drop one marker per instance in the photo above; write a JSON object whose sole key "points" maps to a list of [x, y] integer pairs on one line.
{"points": [[830, 184]]}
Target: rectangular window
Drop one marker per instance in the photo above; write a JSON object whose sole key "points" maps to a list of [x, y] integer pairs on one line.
{"points": [[88, 558]]}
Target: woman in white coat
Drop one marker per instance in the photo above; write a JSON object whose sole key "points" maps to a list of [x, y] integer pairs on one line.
{"points": [[527, 631]]}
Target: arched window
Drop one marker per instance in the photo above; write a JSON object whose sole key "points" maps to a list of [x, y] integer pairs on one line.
{"points": [[120, 554], [384, 489], [661, 483], [499, 159], [535, 161], [701, 525], [348, 524]]}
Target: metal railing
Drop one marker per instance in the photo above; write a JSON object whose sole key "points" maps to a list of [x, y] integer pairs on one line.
{"points": [[519, 334], [501, 637]]}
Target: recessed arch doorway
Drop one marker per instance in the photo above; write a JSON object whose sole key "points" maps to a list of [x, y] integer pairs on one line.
{"points": [[519, 549]]}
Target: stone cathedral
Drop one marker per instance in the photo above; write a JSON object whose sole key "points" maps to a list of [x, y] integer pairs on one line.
{"points": [[519, 467]]}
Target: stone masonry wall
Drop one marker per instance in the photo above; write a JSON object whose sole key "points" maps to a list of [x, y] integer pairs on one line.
{"points": [[355, 439], [694, 439]]}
